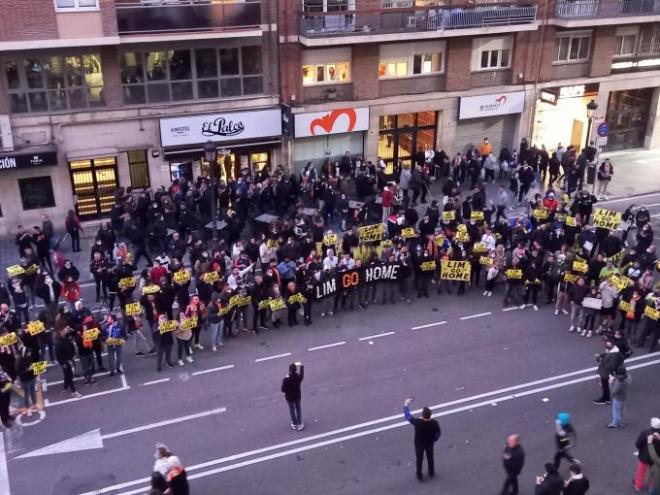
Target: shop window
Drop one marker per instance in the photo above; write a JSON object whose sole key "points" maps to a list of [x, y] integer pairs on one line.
{"points": [[138, 167], [184, 75], [259, 161], [94, 182], [402, 137], [572, 47], [54, 83], [36, 192], [335, 72]]}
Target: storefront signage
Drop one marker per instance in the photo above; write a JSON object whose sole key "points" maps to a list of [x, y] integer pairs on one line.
{"points": [[490, 105], [220, 127], [602, 129], [28, 160], [572, 91], [331, 122]]}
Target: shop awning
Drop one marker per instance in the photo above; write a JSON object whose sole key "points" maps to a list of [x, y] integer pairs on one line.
{"points": [[32, 157], [89, 154], [197, 151]]}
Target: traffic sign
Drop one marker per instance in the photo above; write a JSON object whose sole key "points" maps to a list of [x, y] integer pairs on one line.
{"points": [[602, 129]]}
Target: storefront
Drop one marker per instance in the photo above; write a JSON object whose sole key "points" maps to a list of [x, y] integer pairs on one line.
{"points": [[33, 187], [494, 116], [404, 137], [323, 135], [561, 115], [245, 141], [93, 182], [628, 118]]}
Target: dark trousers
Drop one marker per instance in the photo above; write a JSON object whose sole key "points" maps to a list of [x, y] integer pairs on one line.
{"points": [[307, 312], [565, 454], [258, 315], [605, 385], [500, 213], [292, 315], [141, 251], [510, 485], [44, 260], [419, 458], [5, 399], [164, 350], [67, 371], [75, 241]]}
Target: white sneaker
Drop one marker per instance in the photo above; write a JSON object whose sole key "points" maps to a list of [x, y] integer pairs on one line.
{"points": [[578, 329], [556, 312], [522, 306], [200, 347], [584, 333], [571, 328], [214, 348], [293, 427], [485, 293], [564, 311], [76, 395], [300, 426], [490, 294], [189, 359], [180, 362], [589, 334], [536, 308]]}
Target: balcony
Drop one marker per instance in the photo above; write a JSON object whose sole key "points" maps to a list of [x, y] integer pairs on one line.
{"points": [[402, 17], [595, 9], [173, 16]]}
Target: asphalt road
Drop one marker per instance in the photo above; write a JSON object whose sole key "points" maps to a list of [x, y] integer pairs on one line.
{"points": [[488, 372]]}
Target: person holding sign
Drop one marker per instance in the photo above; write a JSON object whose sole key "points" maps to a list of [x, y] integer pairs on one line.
{"points": [[65, 352], [532, 283], [114, 334], [183, 335], [514, 278], [28, 381], [164, 342], [196, 309], [6, 386]]}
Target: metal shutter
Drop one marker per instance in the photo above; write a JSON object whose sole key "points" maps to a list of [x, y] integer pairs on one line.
{"points": [[499, 130]]}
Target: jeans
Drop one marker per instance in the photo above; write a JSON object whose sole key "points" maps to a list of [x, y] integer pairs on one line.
{"points": [[577, 314], [295, 411], [139, 337], [114, 355], [30, 397], [216, 333], [617, 412]]}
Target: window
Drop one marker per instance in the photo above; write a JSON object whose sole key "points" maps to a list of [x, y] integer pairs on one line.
{"points": [[319, 6], [491, 53], [36, 192], [427, 63], [572, 47], [649, 40], [183, 75], [68, 5], [138, 166], [410, 59], [55, 83], [335, 72], [625, 45]]}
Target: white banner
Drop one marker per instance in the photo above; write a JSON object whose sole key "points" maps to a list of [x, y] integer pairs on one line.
{"points": [[331, 122], [220, 127], [489, 105]]}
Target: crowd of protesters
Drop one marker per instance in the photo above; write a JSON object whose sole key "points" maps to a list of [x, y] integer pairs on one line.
{"points": [[157, 250]]}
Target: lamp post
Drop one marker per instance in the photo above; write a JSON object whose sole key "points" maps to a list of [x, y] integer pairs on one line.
{"points": [[211, 155], [591, 172]]}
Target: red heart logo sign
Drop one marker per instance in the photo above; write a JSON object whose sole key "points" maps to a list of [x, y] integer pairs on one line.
{"points": [[327, 122]]}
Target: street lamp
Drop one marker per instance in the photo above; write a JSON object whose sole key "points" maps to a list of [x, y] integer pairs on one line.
{"points": [[211, 155], [592, 106]]}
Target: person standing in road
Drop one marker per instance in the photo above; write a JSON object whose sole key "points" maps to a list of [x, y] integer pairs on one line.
{"points": [[619, 383], [550, 483], [653, 442], [427, 432], [565, 438], [513, 459], [577, 483], [644, 461], [608, 362], [170, 467], [292, 393], [65, 351]]}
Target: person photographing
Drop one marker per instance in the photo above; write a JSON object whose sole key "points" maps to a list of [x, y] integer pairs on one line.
{"points": [[292, 393], [427, 432]]}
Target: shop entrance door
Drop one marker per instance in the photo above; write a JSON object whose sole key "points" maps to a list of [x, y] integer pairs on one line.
{"points": [[94, 182], [576, 134]]}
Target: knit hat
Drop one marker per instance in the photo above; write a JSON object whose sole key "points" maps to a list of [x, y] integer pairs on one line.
{"points": [[564, 418], [655, 423]]}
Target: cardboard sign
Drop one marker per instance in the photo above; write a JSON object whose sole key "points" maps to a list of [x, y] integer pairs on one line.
{"points": [[427, 266], [619, 282], [448, 216], [239, 301], [182, 276], [477, 215], [277, 304], [386, 244], [210, 277], [560, 217], [265, 304], [570, 222], [540, 213], [32, 269], [571, 278], [580, 266], [91, 334], [625, 306], [479, 247], [39, 367], [35, 327], [440, 240], [188, 323], [167, 326], [115, 342], [127, 282], [513, 274], [651, 313], [371, 233], [133, 309], [150, 289], [271, 243], [408, 233], [15, 271], [607, 219], [462, 236], [9, 339], [486, 261], [330, 239], [455, 270], [297, 298]]}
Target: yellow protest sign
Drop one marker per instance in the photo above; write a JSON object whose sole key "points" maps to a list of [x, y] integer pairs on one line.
{"points": [[167, 326], [386, 244], [477, 215], [15, 271], [571, 278], [486, 261], [607, 219], [408, 233], [619, 282], [8, 339], [455, 270], [133, 309], [39, 367], [560, 217], [580, 266], [513, 274], [570, 221], [211, 277], [265, 304], [427, 266], [651, 313], [32, 269], [462, 236], [35, 327], [540, 213], [330, 239], [439, 240], [371, 233], [271, 243], [238, 301], [297, 298], [448, 216], [91, 334], [479, 247], [625, 306], [150, 289], [277, 304], [616, 258], [182, 276], [188, 323], [127, 282], [115, 342]]}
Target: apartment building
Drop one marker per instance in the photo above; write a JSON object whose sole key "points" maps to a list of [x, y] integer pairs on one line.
{"points": [[100, 94], [389, 77]]}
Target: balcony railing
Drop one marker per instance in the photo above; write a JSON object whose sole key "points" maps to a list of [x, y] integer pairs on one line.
{"points": [[606, 8], [168, 16], [397, 20]]}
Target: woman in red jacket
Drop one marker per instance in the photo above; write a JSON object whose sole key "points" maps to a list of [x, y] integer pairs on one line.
{"points": [[70, 292]]}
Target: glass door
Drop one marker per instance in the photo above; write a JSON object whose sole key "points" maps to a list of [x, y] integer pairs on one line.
{"points": [[94, 183]]}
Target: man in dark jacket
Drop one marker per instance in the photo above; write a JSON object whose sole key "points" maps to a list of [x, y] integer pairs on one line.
{"points": [[65, 352], [550, 483], [293, 395], [577, 483], [427, 432], [608, 362], [513, 459]]}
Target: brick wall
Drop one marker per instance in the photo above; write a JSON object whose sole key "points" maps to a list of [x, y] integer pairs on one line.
{"points": [[459, 56], [108, 17], [27, 20], [490, 78], [290, 72], [112, 90], [603, 42], [416, 85], [365, 71]]}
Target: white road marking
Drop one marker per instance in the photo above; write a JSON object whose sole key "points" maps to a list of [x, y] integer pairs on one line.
{"points": [[326, 346], [154, 382], [377, 336], [78, 378], [4, 471], [429, 325], [478, 315], [48, 403], [632, 199], [212, 370], [41, 415], [268, 358], [344, 438], [510, 308]]}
